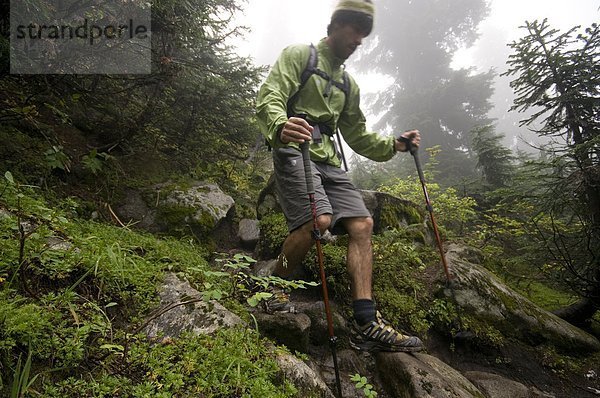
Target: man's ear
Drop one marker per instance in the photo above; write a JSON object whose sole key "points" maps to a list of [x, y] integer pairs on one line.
{"points": [[333, 26]]}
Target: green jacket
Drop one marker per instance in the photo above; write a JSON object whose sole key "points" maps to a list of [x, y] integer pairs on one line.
{"points": [[284, 80]]}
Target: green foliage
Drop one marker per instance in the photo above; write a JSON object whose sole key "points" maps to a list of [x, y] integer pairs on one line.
{"points": [[559, 364], [453, 212], [94, 161], [193, 112], [234, 362], [361, 383], [22, 380], [236, 282], [273, 231], [338, 279], [57, 159], [72, 306]]}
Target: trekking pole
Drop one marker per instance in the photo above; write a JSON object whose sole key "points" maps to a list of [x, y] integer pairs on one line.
{"points": [[316, 235], [414, 151]]}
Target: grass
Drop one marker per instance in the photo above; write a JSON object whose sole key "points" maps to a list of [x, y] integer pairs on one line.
{"points": [[66, 313]]}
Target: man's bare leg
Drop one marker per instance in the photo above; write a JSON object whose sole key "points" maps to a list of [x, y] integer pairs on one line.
{"points": [[297, 244], [360, 256]]}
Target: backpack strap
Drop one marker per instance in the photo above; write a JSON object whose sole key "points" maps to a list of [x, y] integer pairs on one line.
{"points": [[309, 70]]}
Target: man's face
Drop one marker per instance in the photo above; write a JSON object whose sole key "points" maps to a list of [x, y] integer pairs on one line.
{"points": [[345, 39]]}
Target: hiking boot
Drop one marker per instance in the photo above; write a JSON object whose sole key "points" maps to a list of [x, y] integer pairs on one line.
{"points": [[379, 335]]}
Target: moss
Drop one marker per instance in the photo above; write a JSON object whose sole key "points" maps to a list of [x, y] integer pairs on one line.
{"points": [[338, 278], [22, 155], [273, 231], [175, 216], [390, 213]]}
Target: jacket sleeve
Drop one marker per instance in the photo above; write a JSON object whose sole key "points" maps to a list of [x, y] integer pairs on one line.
{"points": [[282, 81], [352, 124]]}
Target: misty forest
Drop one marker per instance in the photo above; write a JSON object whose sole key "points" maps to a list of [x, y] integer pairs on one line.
{"points": [[126, 202]]}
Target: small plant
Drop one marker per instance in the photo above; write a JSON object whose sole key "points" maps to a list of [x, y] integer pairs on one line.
{"points": [[22, 381], [57, 159], [95, 161], [243, 286], [361, 383]]}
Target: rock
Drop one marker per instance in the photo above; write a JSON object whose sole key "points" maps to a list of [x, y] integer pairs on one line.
{"points": [[249, 232], [389, 211], [535, 393], [306, 379], [201, 206], [135, 211], [422, 376], [349, 363], [493, 385], [291, 330], [264, 268], [319, 333], [198, 317], [56, 243], [481, 294], [496, 386], [196, 207]]}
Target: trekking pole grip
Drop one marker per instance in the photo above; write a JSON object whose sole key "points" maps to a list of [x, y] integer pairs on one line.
{"points": [[310, 188], [304, 148], [409, 146]]}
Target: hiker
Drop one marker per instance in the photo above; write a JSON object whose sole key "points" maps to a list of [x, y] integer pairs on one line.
{"points": [[302, 102]]}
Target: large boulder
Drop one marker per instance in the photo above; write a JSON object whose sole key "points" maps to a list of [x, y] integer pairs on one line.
{"points": [[483, 296], [195, 207], [422, 376]]}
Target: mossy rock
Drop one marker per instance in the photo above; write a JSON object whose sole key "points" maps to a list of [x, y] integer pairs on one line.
{"points": [[197, 206], [484, 298], [177, 208], [390, 212]]}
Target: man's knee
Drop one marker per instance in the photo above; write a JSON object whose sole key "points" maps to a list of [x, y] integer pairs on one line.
{"points": [[360, 227], [323, 222]]}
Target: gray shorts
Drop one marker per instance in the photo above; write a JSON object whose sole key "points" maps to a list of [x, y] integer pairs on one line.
{"points": [[334, 193]]}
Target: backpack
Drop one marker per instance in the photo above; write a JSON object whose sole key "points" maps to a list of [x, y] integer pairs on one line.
{"points": [[312, 69]]}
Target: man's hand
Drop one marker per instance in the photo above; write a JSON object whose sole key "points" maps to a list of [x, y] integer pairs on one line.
{"points": [[415, 140], [296, 130]]}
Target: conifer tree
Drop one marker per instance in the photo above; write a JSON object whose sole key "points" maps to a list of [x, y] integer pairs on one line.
{"points": [[558, 76]]}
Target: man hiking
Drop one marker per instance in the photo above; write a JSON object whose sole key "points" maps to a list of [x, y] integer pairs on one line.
{"points": [[307, 97]]}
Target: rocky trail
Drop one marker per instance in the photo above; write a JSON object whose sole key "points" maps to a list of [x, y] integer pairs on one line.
{"points": [[522, 366]]}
